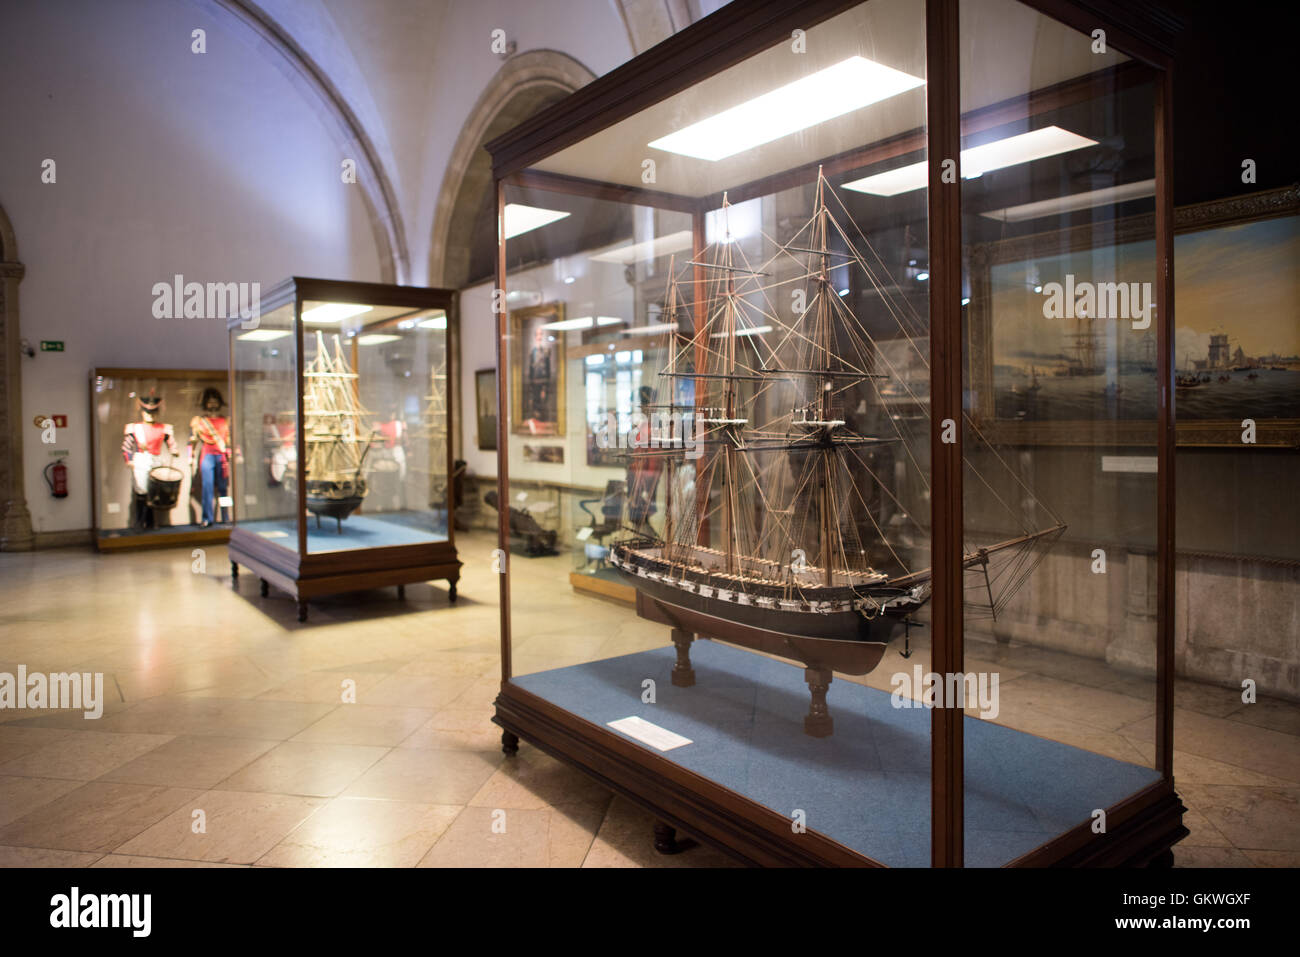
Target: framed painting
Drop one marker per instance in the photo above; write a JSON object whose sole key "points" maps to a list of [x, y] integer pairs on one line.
{"points": [[1058, 357], [485, 404], [537, 370]]}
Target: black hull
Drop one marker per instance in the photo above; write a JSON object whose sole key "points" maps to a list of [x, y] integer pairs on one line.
{"points": [[336, 508], [835, 626]]}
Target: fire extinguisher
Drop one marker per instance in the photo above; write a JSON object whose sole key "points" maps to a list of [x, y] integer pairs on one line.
{"points": [[56, 477]]}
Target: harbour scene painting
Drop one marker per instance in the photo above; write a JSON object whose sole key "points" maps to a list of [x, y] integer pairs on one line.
{"points": [[1237, 335]]}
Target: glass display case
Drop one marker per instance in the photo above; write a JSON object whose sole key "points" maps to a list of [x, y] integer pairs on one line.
{"points": [[359, 495], [894, 525], [159, 457]]}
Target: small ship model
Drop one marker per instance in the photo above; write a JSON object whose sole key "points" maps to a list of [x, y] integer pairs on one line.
{"points": [[337, 439]]}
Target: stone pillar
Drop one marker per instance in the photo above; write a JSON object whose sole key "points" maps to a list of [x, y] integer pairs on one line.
{"points": [[15, 520]]}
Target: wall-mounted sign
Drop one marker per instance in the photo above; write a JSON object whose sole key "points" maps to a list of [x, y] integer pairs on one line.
{"points": [[51, 345]]}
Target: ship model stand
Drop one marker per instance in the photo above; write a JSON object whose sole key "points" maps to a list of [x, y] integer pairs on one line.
{"points": [[773, 544]]}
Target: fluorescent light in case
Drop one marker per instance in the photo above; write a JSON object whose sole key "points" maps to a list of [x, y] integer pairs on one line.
{"points": [[437, 322], [334, 312], [376, 338], [650, 249], [848, 85], [978, 160], [521, 219], [752, 331], [1074, 202], [584, 322], [263, 335]]}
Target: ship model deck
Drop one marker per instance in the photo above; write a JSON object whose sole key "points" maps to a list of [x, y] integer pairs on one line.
{"points": [[786, 528]]}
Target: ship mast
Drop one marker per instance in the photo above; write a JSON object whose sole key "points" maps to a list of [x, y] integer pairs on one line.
{"points": [[824, 384], [729, 399], [670, 308]]}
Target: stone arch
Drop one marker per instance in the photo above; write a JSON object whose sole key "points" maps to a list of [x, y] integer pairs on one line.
{"points": [[15, 520], [377, 189], [524, 85]]}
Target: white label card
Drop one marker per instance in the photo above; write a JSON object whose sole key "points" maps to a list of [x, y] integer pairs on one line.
{"points": [[225, 501], [648, 733], [274, 533], [584, 533], [113, 507]]}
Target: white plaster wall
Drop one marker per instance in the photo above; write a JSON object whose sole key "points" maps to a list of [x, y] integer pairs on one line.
{"points": [[212, 166], [590, 31]]}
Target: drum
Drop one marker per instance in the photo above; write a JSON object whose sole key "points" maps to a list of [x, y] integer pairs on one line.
{"points": [[164, 487]]}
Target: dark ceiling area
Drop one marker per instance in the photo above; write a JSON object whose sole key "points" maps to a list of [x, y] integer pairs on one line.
{"points": [[1234, 97]]}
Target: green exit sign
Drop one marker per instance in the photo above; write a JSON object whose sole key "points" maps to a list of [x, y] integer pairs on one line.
{"points": [[51, 345]]}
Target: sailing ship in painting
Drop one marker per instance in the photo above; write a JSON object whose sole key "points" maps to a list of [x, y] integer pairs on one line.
{"points": [[789, 526], [336, 435]]}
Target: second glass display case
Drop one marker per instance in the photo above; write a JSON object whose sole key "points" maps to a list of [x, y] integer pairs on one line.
{"points": [[342, 446]]}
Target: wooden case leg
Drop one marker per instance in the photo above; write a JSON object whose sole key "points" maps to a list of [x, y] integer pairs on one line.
{"points": [[666, 838], [683, 673], [234, 571], [302, 610], [509, 743], [818, 721], [266, 588]]}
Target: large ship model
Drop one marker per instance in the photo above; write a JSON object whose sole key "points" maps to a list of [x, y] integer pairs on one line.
{"points": [[787, 528], [336, 436]]}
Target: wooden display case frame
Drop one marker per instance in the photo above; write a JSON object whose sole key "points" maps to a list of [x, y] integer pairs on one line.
{"points": [[306, 575], [1142, 828]]}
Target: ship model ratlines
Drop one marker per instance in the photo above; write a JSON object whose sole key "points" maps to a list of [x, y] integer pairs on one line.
{"points": [[780, 533], [337, 439]]}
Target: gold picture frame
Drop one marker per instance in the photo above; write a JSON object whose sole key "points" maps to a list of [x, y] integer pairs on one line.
{"points": [[537, 396]]}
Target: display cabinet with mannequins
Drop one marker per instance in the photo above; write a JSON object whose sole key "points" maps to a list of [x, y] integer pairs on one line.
{"points": [[210, 457], [143, 444]]}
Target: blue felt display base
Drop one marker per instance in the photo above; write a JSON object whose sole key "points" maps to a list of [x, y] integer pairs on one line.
{"points": [[382, 530], [868, 785]]}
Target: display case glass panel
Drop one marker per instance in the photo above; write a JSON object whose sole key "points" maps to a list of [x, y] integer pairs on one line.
{"points": [[161, 455], [1060, 488], [265, 385], [753, 432]]}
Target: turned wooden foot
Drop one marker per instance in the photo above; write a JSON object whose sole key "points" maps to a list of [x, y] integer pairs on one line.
{"points": [[818, 722], [266, 588], [509, 743], [683, 673], [302, 611], [451, 592], [666, 839], [1163, 860], [401, 593], [234, 571]]}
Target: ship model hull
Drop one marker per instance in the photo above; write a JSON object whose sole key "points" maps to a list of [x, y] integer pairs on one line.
{"points": [[843, 628], [326, 499]]}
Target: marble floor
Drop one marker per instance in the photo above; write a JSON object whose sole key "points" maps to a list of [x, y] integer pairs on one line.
{"points": [[226, 740]]}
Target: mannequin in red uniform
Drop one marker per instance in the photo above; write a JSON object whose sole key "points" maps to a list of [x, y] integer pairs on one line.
{"points": [[142, 447], [210, 452]]}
